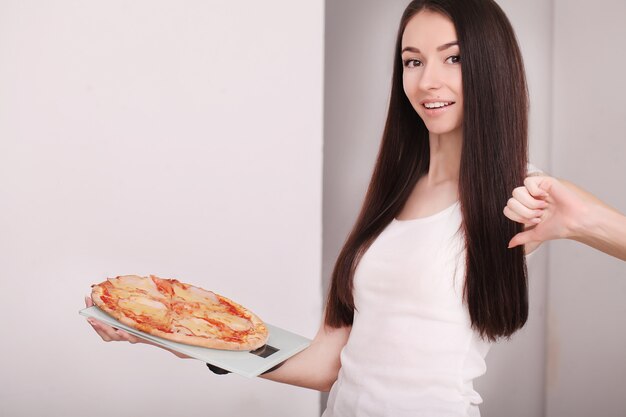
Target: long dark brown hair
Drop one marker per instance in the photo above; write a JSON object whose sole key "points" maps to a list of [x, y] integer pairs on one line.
{"points": [[493, 162]]}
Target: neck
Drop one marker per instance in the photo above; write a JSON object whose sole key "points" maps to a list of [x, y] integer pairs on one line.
{"points": [[445, 157]]}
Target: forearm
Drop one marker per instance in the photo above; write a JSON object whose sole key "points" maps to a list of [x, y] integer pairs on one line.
{"points": [[302, 370], [603, 228], [317, 366]]}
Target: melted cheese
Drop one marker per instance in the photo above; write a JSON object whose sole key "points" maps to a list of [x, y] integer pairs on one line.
{"points": [[195, 295], [234, 322], [195, 326], [143, 306], [130, 284]]}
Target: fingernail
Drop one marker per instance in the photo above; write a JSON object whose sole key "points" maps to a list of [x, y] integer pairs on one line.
{"points": [[536, 220]]}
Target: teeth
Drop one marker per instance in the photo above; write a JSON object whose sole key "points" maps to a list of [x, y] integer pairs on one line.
{"points": [[437, 104]]}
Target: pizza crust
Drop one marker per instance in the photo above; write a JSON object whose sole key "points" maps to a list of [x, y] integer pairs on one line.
{"points": [[160, 306]]}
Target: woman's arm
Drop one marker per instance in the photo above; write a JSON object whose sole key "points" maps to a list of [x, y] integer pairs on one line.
{"points": [[316, 367], [554, 209]]}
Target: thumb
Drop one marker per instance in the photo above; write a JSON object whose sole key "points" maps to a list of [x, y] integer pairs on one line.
{"points": [[521, 238], [538, 186]]}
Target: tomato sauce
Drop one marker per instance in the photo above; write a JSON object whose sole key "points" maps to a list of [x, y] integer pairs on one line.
{"points": [[164, 286], [232, 309]]}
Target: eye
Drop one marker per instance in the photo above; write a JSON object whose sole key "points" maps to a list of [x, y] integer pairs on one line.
{"points": [[454, 59], [412, 63]]}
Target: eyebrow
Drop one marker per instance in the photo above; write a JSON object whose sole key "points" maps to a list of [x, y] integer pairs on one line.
{"points": [[439, 48]]}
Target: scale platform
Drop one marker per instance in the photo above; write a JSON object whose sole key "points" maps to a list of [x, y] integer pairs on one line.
{"points": [[281, 345]]}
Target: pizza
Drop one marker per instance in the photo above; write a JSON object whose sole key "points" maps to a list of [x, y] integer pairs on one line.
{"points": [[180, 312]]}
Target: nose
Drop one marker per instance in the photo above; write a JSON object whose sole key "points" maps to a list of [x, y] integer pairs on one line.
{"points": [[431, 77]]}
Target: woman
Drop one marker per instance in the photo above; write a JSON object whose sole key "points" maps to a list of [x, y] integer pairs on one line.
{"points": [[426, 280]]}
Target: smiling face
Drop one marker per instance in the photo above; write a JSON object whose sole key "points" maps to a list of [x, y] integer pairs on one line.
{"points": [[432, 71]]}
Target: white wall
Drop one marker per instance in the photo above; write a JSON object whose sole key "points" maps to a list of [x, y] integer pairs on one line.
{"points": [[360, 37], [182, 139], [587, 317]]}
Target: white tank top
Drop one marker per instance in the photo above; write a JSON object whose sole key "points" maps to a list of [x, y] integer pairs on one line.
{"points": [[411, 351]]}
